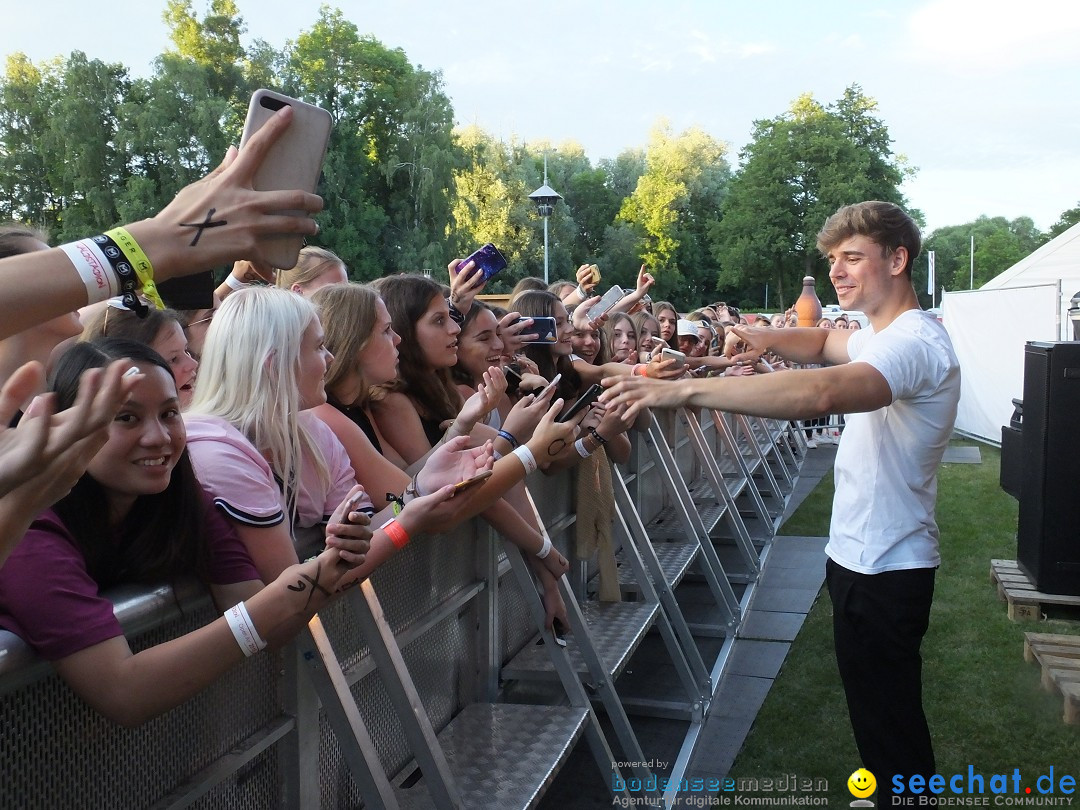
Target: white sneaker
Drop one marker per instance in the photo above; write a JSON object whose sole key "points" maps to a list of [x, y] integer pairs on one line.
{"points": [[825, 438], [811, 444]]}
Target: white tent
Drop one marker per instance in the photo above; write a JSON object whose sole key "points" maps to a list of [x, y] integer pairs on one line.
{"points": [[990, 326]]}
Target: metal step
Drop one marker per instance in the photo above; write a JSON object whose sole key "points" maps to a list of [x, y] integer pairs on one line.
{"points": [[503, 755], [674, 559], [667, 524], [616, 629]]}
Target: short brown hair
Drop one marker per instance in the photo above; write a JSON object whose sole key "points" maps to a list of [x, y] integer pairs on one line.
{"points": [[885, 223]]}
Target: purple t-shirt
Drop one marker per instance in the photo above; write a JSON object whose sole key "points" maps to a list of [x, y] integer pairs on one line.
{"points": [[48, 598]]}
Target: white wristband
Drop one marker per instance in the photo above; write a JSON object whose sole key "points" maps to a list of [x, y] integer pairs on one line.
{"points": [[579, 445], [545, 549], [94, 270], [527, 459], [243, 629], [232, 282]]}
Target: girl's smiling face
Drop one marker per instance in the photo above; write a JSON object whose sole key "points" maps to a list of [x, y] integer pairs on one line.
{"points": [[146, 438], [479, 344]]}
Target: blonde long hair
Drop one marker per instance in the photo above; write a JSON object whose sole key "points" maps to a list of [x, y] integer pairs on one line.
{"points": [[250, 362]]}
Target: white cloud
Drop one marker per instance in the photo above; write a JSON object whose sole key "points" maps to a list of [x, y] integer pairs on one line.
{"points": [[985, 35]]}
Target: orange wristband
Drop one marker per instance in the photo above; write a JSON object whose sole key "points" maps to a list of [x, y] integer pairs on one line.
{"points": [[398, 536], [639, 370]]}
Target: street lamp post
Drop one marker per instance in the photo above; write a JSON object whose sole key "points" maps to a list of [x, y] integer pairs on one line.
{"points": [[545, 198]]}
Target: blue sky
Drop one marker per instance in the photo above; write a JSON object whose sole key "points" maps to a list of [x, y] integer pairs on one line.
{"points": [[980, 96]]}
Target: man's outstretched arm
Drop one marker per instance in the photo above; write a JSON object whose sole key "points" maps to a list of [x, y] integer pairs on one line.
{"points": [[799, 394]]}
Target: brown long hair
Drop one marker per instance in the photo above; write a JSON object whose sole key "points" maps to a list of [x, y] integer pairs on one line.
{"points": [[348, 313], [432, 390], [541, 304]]}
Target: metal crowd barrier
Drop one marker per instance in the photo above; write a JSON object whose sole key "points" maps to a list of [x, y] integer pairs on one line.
{"points": [[403, 692]]}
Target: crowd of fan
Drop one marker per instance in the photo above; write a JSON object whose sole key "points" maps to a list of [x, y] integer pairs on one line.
{"points": [[283, 443]]}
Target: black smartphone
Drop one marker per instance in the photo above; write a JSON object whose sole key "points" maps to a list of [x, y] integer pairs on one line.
{"points": [[545, 330], [584, 401], [488, 261], [189, 292]]}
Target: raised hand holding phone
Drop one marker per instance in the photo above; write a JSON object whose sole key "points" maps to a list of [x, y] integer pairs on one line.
{"points": [[294, 161]]}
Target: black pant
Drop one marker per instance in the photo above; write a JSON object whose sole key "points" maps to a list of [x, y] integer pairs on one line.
{"points": [[879, 621]]}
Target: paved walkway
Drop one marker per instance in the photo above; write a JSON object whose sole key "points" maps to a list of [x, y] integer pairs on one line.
{"points": [[793, 574]]}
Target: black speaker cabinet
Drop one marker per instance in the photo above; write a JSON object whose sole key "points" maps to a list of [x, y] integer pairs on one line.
{"points": [[1048, 534]]}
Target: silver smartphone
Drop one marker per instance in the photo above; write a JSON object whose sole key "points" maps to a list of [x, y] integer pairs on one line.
{"points": [[293, 162], [610, 299]]}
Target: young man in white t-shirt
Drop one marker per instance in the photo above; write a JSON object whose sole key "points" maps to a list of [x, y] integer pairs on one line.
{"points": [[899, 382]]}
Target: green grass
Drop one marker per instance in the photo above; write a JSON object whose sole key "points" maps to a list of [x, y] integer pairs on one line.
{"points": [[983, 701]]}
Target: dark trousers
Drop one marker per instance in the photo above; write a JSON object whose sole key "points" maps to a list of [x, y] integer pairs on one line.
{"points": [[879, 621]]}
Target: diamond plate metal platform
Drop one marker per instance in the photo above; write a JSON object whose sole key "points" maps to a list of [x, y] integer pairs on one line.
{"points": [[667, 525], [616, 629], [674, 559], [503, 755]]}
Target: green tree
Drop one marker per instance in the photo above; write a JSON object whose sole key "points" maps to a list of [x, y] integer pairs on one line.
{"points": [[674, 204], [391, 157], [797, 170], [999, 244], [491, 204], [27, 96], [1065, 221]]}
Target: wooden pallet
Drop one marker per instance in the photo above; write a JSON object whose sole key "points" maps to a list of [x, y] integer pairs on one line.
{"points": [[1025, 602], [1059, 657]]}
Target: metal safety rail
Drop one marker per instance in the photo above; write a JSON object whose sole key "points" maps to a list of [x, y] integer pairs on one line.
{"points": [[387, 698]]}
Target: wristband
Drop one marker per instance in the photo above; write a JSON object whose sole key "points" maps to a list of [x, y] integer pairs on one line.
{"points": [[526, 458], [639, 370], [233, 283], [143, 269], [579, 445], [600, 440], [243, 629], [398, 536], [545, 549], [413, 489], [581, 291], [93, 269], [397, 502], [514, 443]]}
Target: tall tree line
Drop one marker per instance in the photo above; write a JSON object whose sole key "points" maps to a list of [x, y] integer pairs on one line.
{"points": [[84, 145]]}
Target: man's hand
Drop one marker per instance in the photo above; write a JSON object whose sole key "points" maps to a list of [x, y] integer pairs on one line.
{"points": [[748, 343], [638, 393]]}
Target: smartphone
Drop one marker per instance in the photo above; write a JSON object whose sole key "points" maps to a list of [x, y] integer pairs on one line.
{"points": [[672, 354], [513, 375], [479, 478], [488, 260], [610, 299], [354, 506], [545, 330], [584, 401], [544, 391], [189, 292], [294, 161]]}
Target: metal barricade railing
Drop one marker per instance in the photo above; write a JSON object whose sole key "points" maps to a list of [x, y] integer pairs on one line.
{"points": [[257, 738]]}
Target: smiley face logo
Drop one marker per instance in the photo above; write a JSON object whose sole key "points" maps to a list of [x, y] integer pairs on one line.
{"points": [[861, 783]]}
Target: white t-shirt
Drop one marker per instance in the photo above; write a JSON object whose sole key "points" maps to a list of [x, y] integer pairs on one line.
{"points": [[887, 462]]}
